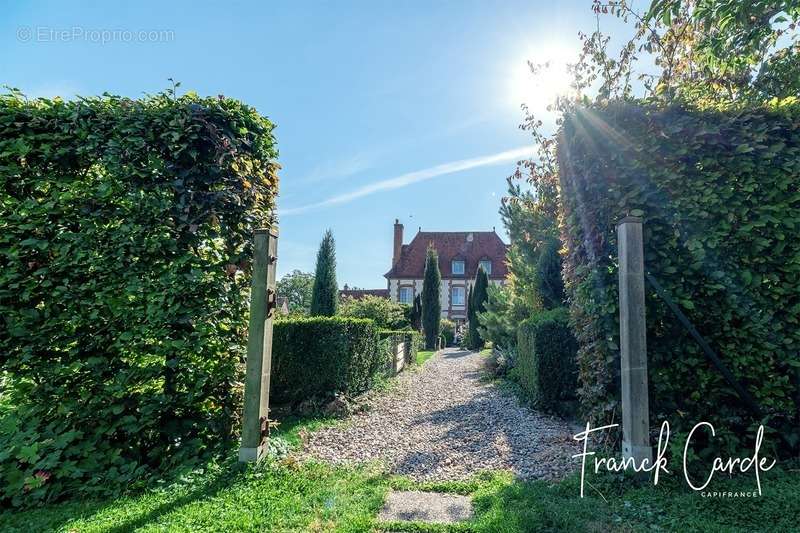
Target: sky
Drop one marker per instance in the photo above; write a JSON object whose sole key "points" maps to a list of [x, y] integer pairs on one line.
{"points": [[384, 110]]}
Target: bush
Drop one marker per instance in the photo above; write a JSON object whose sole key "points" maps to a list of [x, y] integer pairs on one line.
{"points": [[719, 195], [413, 339], [386, 313], [448, 329], [546, 359], [124, 277], [496, 323], [320, 356]]}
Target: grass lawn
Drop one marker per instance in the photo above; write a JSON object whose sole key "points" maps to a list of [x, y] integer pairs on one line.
{"points": [[316, 497], [424, 355]]}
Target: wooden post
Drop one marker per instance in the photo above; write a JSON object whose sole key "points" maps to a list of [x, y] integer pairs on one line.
{"points": [[255, 422], [633, 342]]}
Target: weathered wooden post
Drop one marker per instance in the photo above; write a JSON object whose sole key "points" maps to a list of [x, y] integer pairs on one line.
{"points": [[255, 424], [633, 342]]}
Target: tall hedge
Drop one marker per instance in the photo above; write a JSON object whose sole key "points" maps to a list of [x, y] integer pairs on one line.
{"points": [[546, 366], [319, 356], [719, 193], [124, 242]]}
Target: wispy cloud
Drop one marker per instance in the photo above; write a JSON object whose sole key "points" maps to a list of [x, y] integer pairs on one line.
{"points": [[417, 176], [339, 169]]}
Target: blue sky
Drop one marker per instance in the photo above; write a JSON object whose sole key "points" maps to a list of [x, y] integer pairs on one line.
{"points": [[384, 110]]}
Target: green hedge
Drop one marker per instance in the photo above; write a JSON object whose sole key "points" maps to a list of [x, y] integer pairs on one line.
{"points": [[124, 245], [319, 356], [546, 367], [413, 339], [721, 205]]}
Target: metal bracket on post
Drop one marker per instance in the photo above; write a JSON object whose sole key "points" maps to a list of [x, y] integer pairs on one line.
{"points": [[633, 342], [255, 418]]}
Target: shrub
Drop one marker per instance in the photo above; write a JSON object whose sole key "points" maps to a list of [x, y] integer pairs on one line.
{"points": [[320, 356], [413, 339], [496, 323], [386, 313], [546, 359], [448, 329], [718, 192], [127, 228]]}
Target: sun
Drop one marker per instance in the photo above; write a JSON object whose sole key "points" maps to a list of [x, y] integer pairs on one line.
{"points": [[553, 79]]}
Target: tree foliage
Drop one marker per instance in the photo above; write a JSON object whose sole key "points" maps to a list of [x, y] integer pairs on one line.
{"points": [[386, 313], [325, 292], [126, 249], [477, 305], [719, 195], [496, 324], [296, 287], [548, 275], [415, 316], [431, 304]]}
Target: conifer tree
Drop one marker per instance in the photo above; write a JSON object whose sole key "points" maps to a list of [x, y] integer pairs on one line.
{"points": [[478, 299], [431, 305], [325, 295], [416, 313]]}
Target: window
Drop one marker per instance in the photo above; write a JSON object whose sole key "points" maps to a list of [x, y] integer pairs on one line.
{"points": [[406, 295], [486, 265], [457, 267], [457, 295]]}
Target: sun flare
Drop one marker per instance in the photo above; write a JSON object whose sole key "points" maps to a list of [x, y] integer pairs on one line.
{"points": [[553, 79]]}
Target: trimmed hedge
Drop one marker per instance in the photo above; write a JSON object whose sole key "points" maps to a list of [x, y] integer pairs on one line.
{"points": [[546, 367], [720, 197], [124, 274], [320, 356], [413, 339]]}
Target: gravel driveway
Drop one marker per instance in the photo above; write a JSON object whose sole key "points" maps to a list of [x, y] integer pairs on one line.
{"points": [[443, 422]]}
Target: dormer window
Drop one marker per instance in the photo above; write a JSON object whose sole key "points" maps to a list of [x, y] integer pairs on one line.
{"points": [[457, 267], [486, 265]]}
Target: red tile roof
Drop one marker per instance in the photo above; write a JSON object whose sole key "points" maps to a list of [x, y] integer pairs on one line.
{"points": [[471, 246]]}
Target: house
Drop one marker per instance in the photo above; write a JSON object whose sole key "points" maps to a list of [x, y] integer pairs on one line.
{"points": [[460, 255], [358, 294]]}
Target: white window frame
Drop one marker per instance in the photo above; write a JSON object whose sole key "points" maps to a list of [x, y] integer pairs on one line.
{"points": [[453, 269], [463, 291], [410, 295], [483, 263]]}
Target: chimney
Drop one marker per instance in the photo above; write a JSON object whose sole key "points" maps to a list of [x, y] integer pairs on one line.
{"points": [[398, 241]]}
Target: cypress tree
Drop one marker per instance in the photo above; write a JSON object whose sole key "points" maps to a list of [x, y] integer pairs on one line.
{"points": [[480, 295], [470, 315], [416, 313], [431, 305], [548, 275], [325, 295]]}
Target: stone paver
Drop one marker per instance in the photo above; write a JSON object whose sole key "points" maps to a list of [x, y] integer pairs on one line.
{"points": [[432, 507], [444, 422]]}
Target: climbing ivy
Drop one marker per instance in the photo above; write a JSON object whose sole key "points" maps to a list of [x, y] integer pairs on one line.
{"points": [[124, 244]]}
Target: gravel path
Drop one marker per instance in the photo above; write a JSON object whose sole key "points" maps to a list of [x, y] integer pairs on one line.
{"points": [[442, 422]]}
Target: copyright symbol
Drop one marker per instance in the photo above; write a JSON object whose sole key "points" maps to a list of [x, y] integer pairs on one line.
{"points": [[24, 34]]}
